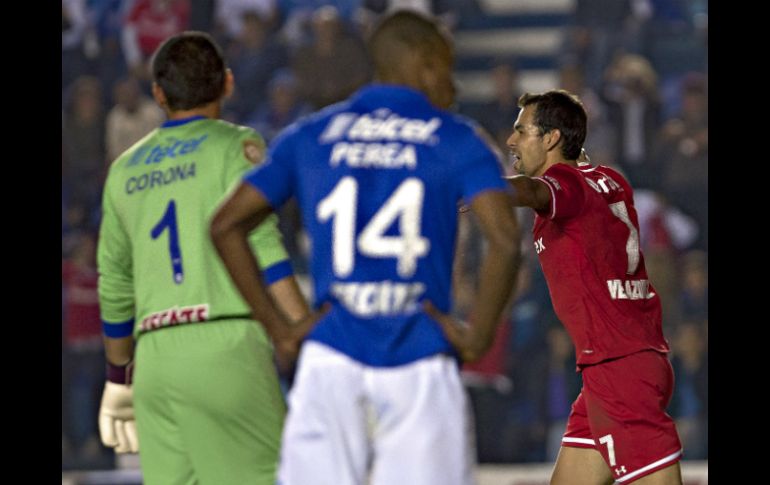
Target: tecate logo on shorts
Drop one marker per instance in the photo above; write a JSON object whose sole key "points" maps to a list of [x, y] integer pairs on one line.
{"points": [[175, 316]]}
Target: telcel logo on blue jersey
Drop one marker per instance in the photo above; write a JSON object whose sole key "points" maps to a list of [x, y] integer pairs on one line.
{"points": [[365, 134], [381, 124], [157, 153]]}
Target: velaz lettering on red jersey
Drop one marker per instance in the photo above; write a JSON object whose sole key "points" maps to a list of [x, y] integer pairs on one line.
{"points": [[380, 125], [630, 289], [175, 316], [157, 153]]}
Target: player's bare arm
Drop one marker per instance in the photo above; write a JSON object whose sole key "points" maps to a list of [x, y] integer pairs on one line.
{"points": [[529, 192], [233, 221], [289, 297], [119, 351], [498, 273], [239, 214]]}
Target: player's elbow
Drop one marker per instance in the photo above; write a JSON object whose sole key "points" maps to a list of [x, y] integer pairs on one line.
{"points": [[221, 228]]}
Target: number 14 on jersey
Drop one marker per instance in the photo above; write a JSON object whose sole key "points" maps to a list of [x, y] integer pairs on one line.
{"points": [[404, 205]]}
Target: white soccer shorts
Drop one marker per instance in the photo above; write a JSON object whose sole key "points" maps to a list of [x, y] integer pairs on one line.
{"points": [[351, 424]]}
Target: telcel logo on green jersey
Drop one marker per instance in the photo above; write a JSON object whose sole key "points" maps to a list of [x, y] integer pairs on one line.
{"points": [[157, 153]]}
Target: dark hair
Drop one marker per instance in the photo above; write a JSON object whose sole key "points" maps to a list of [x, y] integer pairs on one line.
{"points": [[403, 31], [190, 69], [563, 111]]}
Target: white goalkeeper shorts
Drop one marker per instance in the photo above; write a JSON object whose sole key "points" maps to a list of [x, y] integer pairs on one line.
{"points": [[351, 424]]}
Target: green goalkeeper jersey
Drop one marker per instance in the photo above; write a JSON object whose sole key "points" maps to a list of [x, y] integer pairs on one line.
{"points": [[157, 264]]}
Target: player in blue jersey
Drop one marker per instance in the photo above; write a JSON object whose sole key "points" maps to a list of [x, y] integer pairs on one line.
{"points": [[377, 397]]}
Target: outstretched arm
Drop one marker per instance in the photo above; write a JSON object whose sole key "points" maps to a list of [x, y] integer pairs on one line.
{"points": [[533, 192], [529, 192]]}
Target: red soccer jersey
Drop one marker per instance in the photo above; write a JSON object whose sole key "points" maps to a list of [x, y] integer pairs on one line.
{"points": [[588, 246]]}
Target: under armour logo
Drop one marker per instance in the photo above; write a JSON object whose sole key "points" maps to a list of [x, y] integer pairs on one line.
{"points": [[620, 470]]}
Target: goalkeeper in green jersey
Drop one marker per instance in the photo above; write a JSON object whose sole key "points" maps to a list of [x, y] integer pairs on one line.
{"points": [[199, 392]]}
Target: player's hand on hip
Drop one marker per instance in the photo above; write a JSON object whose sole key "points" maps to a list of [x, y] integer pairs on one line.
{"points": [[117, 427], [459, 334], [288, 343]]}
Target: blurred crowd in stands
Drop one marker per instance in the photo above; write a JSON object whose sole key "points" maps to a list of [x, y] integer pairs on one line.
{"points": [[640, 67]]}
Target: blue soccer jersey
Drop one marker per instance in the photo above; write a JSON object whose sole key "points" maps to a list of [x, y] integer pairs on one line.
{"points": [[378, 179]]}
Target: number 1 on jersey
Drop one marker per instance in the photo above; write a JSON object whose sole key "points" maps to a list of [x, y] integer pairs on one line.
{"points": [[169, 221]]}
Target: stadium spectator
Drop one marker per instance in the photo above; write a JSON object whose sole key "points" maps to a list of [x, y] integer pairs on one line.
{"points": [[528, 362], [662, 225], [632, 97], [147, 24], [333, 64], [495, 115], [281, 108], [689, 403], [74, 23], [586, 236], [231, 15], [664, 234], [561, 389], [202, 15], [74, 224], [601, 139], [83, 140], [694, 297], [298, 16], [489, 390], [105, 18], [486, 380], [677, 38], [205, 392], [681, 152], [376, 398], [254, 57], [602, 29], [83, 356], [133, 116]]}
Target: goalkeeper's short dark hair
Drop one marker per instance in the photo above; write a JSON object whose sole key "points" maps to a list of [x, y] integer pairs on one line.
{"points": [[190, 69]]}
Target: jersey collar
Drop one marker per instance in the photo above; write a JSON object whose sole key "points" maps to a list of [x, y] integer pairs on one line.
{"points": [[181, 121]]}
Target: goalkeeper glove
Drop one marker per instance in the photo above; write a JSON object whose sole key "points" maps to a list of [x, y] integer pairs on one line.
{"points": [[117, 427]]}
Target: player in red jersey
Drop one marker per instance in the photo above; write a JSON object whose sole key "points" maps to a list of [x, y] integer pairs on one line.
{"points": [[586, 235]]}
